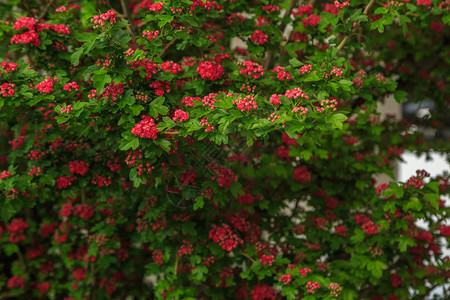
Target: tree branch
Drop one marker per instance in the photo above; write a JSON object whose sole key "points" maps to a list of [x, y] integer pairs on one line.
{"points": [[246, 255], [46, 8], [270, 53], [127, 13], [167, 47], [345, 40]]}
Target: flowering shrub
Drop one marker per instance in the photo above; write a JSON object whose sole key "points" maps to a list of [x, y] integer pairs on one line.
{"points": [[141, 156]]}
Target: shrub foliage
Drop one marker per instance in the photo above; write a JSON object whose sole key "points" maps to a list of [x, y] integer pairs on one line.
{"points": [[145, 154]]}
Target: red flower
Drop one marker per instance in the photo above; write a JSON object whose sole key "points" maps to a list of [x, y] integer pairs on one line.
{"points": [[16, 282], [259, 37], [79, 274], [302, 175], [43, 287]]}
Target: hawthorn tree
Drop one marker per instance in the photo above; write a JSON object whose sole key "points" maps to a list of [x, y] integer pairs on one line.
{"points": [[143, 157]]}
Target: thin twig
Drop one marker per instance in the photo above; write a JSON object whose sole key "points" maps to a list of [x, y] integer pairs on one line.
{"points": [[271, 53], [6, 295], [46, 8], [170, 132], [21, 260], [27, 7], [345, 40], [175, 271], [83, 195], [127, 13], [246, 255], [167, 47]]}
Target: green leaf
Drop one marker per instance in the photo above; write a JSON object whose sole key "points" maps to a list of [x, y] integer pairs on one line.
{"points": [[381, 11], [10, 249], [136, 109], [337, 120], [165, 144], [413, 204], [100, 80], [189, 228], [349, 294], [295, 62], [376, 267], [199, 203], [400, 96], [169, 122], [312, 77], [290, 293], [433, 199], [164, 19], [345, 84], [198, 274], [133, 143], [404, 242], [75, 57], [87, 37], [358, 237]]}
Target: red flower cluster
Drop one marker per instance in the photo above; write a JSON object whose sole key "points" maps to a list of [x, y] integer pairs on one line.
{"points": [[7, 89], [172, 67], [305, 69], [100, 20], [304, 271], [311, 20], [286, 278], [46, 86], [312, 287], [444, 230], [382, 187], [5, 174], [267, 259], [225, 237], [341, 230], [8, 67], [16, 282], [271, 8], [246, 103], [282, 74], [302, 175], [79, 274], [246, 199], [264, 292], [180, 115], [151, 35], [259, 37], [335, 289], [210, 70], [303, 10], [64, 181], [71, 85], [296, 93], [224, 176], [84, 211], [370, 228], [146, 128], [149, 67], [251, 69], [17, 228], [185, 249], [275, 99], [78, 167], [415, 182], [101, 181], [189, 101]]}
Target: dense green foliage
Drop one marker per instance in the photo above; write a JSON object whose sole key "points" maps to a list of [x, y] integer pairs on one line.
{"points": [[143, 155]]}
